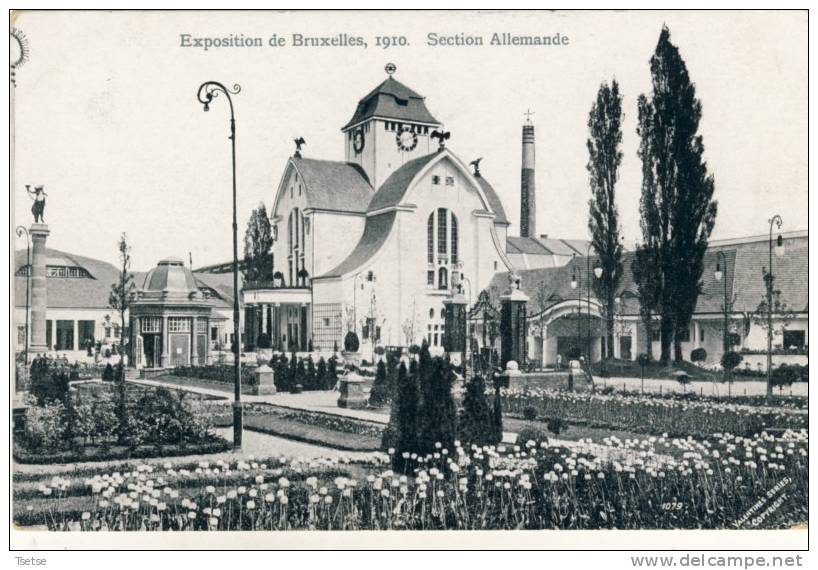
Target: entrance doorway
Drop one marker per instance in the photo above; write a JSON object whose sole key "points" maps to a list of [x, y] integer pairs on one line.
{"points": [[153, 349]]}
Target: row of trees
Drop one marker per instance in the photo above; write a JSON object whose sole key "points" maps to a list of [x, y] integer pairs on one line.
{"points": [[291, 373], [677, 209]]}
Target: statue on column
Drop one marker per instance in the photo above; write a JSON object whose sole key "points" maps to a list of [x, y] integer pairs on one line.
{"points": [[38, 195]]}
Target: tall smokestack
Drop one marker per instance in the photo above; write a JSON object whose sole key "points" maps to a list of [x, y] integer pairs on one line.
{"points": [[528, 201]]}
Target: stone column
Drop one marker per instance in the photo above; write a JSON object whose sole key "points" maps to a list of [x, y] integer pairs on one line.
{"points": [[194, 345], [513, 327], [164, 360], [39, 293]]}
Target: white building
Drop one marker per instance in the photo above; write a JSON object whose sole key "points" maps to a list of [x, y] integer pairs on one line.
{"points": [[373, 243]]}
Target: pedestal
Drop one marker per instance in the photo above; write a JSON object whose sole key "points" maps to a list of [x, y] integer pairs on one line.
{"points": [[264, 381], [352, 392], [39, 292]]}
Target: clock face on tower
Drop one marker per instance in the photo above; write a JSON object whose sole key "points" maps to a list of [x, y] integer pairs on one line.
{"points": [[406, 139], [358, 141]]}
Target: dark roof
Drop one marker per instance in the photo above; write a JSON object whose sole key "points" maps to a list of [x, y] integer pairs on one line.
{"points": [[392, 191], [545, 246], [70, 292], [494, 201], [392, 100], [743, 274], [333, 185], [527, 245], [376, 231]]}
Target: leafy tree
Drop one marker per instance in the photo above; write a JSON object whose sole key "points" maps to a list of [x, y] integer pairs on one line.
{"points": [[782, 313], [258, 246], [119, 300], [604, 158], [729, 361], [476, 422], [678, 212]]}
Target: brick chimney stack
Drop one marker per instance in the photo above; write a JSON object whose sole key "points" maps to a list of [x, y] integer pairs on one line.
{"points": [[528, 201]]}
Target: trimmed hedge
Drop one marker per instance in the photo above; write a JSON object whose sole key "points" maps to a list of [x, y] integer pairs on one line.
{"points": [[22, 455]]}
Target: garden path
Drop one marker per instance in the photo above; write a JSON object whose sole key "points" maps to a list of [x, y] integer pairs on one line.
{"points": [[326, 402]]}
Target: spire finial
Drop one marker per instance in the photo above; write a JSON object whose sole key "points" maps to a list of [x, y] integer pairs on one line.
{"points": [[390, 69], [528, 114]]}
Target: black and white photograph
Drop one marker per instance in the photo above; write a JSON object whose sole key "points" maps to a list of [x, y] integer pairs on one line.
{"points": [[348, 279]]}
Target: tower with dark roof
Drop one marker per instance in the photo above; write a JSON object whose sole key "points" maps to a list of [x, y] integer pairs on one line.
{"points": [[391, 126], [528, 200]]}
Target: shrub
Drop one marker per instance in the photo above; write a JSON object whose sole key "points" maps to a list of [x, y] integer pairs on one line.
{"points": [[45, 425], [530, 413], [321, 374], [438, 412], [785, 375], [379, 396], [556, 425], [311, 375], [414, 349], [698, 355], [730, 360], [108, 373], [332, 373], [529, 433], [49, 381], [163, 419], [351, 342], [476, 422], [402, 431], [379, 350]]}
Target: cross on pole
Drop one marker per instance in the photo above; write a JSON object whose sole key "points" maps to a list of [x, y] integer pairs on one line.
{"points": [[528, 114]]}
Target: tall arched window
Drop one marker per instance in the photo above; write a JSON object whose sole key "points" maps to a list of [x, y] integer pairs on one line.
{"points": [[430, 239], [441, 246], [453, 239]]}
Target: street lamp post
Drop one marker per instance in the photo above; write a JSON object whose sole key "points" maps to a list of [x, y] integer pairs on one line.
{"points": [[22, 230], [207, 92], [575, 282], [721, 275], [779, 251], [598, 275]]}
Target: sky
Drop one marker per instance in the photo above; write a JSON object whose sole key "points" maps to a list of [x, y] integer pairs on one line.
{"points": [[106, 116]]}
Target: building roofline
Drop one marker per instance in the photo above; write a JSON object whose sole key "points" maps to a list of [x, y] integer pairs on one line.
{"points": [[756, 238]]}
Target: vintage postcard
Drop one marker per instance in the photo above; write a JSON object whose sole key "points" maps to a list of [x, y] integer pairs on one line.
{"points": [[346, 279]]}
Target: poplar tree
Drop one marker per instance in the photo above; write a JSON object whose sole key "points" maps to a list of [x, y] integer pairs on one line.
{"points": [[678, 209], [604, 159]]}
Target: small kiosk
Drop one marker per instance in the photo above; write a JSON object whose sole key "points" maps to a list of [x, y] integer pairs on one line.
{"points": [[169, 319]]}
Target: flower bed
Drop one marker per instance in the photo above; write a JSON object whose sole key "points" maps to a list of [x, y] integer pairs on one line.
{"points": [[650, 415], [718, 484]]}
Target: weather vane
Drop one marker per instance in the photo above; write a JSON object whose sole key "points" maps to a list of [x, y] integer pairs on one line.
{"points": [[390, 69], [528, 114]]}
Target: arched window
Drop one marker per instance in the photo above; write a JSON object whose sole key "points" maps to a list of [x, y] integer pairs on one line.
{"points": [[453, 239], [441, 230], [430, 239], [441, 245], [431, 313], [442, 278]]}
